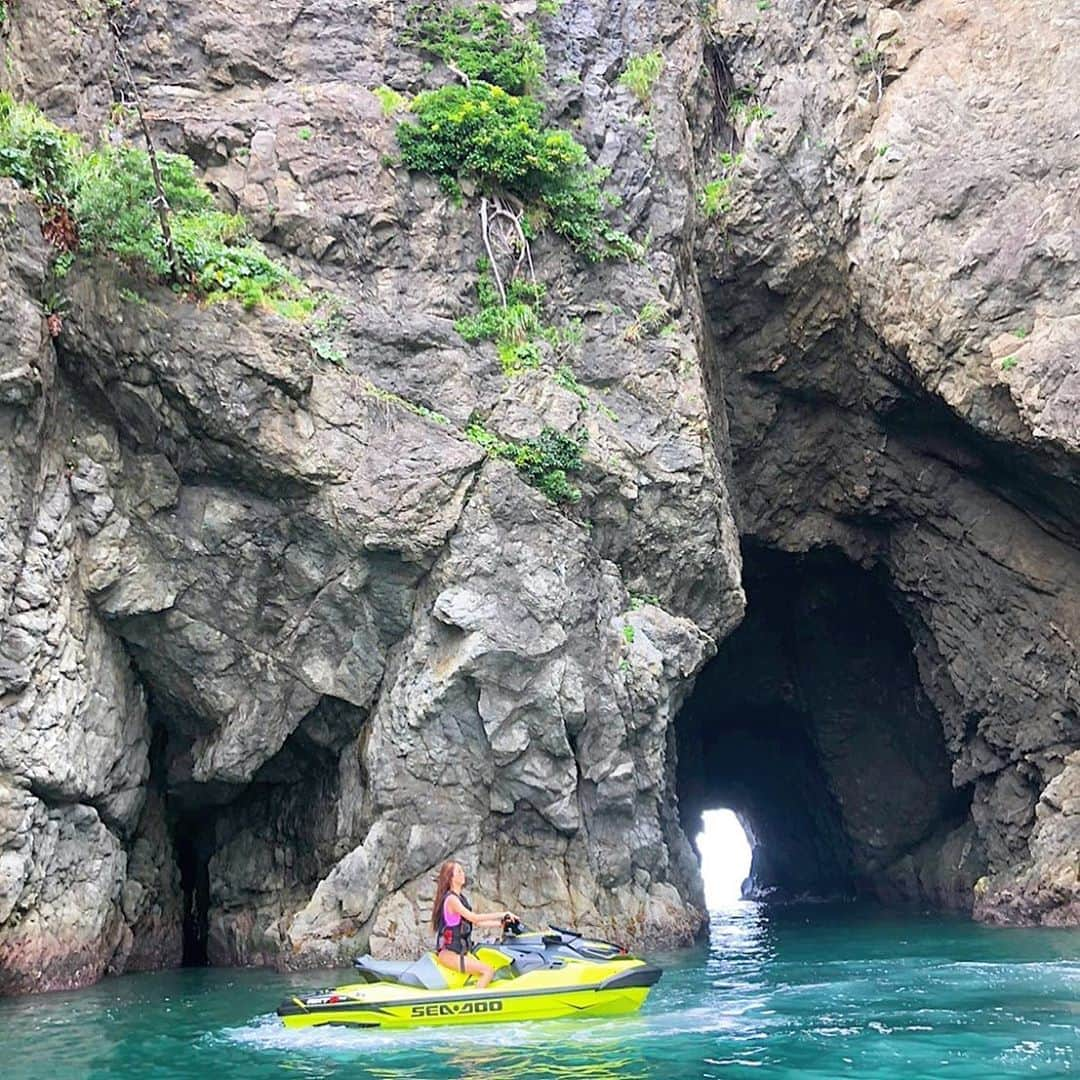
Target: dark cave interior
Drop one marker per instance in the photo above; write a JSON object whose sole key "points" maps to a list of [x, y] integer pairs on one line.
{"points": [[193, 843], [812, 725]]}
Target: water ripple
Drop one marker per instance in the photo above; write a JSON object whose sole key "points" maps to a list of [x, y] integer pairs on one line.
{"points": [[816, 992]]}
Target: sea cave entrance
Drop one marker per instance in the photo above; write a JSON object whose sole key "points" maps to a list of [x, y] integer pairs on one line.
{"points": [[811, 725], [724, 850]]}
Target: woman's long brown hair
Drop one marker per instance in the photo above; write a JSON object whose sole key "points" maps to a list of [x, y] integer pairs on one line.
{"points": [[442, 887]]}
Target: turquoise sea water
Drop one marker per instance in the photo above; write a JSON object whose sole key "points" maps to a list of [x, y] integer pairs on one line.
{"points": [[812, 991]]}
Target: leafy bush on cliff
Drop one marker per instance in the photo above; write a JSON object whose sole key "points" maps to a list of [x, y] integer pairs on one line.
{"points": [[499, 140], [114, 205], [108, 196], [35, 153]]}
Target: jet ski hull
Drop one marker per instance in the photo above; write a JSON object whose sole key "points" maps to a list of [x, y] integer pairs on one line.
{"points": [[583, 989]]}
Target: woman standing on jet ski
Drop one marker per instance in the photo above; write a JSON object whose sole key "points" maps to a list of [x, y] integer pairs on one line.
{"points": [[452, 919]]}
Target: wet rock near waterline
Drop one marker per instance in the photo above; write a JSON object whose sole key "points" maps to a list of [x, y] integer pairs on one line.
{"points": [[1048, 892], [63, 871]]}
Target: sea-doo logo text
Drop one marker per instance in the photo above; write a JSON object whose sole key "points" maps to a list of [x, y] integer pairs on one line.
{"points": [[460, 1008]]}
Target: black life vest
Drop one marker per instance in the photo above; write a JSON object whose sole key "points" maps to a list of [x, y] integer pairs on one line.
{"points": [[455, 938]]}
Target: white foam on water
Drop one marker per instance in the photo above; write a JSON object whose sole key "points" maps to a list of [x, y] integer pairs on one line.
{"points": [[268, 1033]]}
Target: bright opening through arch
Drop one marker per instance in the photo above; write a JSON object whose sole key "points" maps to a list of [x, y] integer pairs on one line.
{"points": [[725, 857]]}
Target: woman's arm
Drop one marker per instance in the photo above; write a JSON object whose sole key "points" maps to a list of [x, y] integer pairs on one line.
{"points": [[494, 918], [477, 918]]}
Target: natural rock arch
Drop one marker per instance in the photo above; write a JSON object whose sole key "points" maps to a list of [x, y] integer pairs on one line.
{"points": [[812, 725]]}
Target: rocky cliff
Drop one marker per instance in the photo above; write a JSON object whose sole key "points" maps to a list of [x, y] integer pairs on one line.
{"points": [[278, 637]]}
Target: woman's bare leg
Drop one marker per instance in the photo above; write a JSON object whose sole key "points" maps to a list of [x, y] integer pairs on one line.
{"points": [[476, 967], [469, 964]]}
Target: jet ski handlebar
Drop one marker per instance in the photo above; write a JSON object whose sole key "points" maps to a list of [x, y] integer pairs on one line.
{"points": [[558, 935], [510, 925]]}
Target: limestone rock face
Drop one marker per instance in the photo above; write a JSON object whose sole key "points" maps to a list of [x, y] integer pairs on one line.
{"points": [[894, 293], [519, 717], [358, 648], [74, 738], [278, 637]]}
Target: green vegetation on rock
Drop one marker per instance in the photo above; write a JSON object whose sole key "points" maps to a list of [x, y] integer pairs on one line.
{"points": [[543, 462], [489, 131], [479, 41], [565, 377], [388, 397], [104, 201], [390, 100], [641, 74], [652, 316], [866, 57], [35, 153], [715, 198], [518, 328], [515, 328], [746, 107], [499, 140], [486, 134]]}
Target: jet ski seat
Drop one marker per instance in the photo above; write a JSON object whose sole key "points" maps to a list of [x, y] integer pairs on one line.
{"points": [[424, 973], [374, 970], [427, 974]]}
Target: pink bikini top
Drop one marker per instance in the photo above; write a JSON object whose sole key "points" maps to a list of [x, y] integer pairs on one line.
{"points": [[450, 918]]}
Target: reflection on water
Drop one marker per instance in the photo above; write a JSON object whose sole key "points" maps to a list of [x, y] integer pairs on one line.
{"points": [[811, 991]]}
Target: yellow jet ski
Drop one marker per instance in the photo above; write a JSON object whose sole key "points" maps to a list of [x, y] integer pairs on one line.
{"points": [[539, 975]]}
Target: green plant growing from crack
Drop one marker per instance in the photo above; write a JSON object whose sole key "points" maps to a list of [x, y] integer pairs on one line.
{"points": [[543, 462], [870, 60], [641, 75], [716, 197], [652, 315], [390, 100], [517, 328], [746, 108]]}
